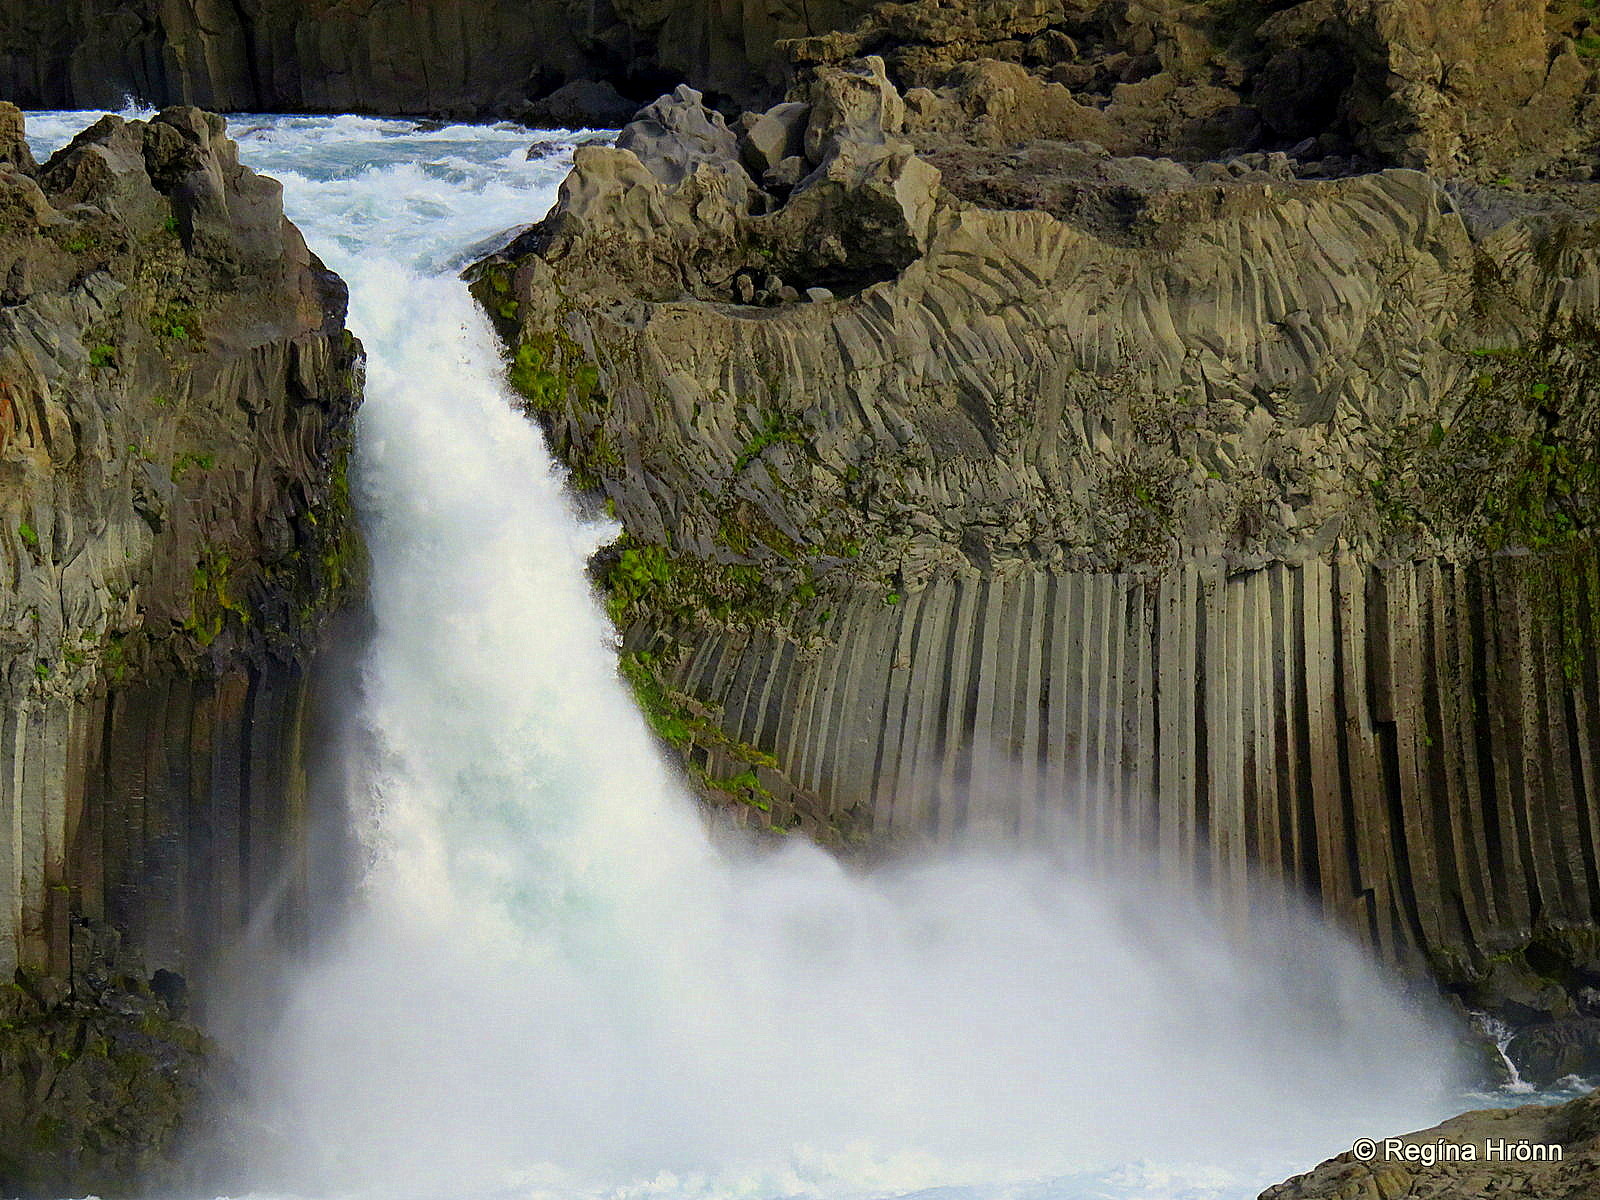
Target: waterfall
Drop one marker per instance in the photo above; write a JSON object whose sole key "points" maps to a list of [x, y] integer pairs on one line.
{"points": [[555, 983]]}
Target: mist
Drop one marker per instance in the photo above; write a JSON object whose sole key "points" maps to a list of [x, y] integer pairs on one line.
{"points": [[554, 980]]}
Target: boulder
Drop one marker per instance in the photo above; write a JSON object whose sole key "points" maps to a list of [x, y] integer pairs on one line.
{"points": [[774, 136], [854, 103], [678, 136], [13, 140], [579, 104], [1553, 1050]]}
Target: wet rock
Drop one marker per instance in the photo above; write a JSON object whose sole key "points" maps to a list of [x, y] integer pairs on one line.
{"points": [[176, 396], [1553, 1050], [101, 1092]]}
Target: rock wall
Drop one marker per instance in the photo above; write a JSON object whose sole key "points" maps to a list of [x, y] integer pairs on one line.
{"points": [[1225, 510], [176, 388], [1507, 84], [444, 57], [1415, 744]]}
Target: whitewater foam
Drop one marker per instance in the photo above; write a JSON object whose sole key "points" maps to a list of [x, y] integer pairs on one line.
{"points": [[555, 985]]}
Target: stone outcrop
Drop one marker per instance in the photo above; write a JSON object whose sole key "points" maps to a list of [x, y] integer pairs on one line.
{"points": [[176, 390], [1493, 85], [1471, 1157], [1507, 84], [1222, 510], [98, 1086]]}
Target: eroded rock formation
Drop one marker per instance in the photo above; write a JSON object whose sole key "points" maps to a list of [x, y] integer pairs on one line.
{"points": [[979, 476], [1549, 1152], [176, 388]]}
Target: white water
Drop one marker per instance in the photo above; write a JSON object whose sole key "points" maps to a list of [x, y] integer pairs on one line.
{"points": [[556, 986]]}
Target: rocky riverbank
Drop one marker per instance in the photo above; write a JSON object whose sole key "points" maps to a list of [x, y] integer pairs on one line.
{"points": [[999, 457], [1552, 1153], [176, 393]]}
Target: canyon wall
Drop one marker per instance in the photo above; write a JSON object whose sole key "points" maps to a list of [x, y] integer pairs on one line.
{"points": [[1405, 81], [176, 393], [982, 476], [442, 57]]}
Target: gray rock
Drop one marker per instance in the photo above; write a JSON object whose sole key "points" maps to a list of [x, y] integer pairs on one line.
{"points": [[773, 136], [1084, 418], [580, 104], [786, 175], [175, 532], [676, 134], [1456, 1160], [13, 140]]}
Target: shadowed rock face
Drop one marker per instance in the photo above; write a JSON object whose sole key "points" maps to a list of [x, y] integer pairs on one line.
{"points": [[445, 57], [176, 388], [1395, 82], [1224, 511]]}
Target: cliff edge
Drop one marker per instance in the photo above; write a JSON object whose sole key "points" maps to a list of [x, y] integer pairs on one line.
{"points": [[1552, 1152], [999, 457], [176, 393]]}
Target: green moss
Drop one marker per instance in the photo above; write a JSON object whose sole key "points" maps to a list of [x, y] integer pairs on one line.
{"points": [[103, 356], [676, 720], [177, 322], [213, 599], [1550, 493], [744, 788], [549, 371], [776, 429], [28, 534], [330, 561], [640, 572], [185, 462], [114, 657]]}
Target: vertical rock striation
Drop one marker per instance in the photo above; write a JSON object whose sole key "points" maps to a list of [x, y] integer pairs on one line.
{"points": [[445, 57], [176, 391], [1225, 511], [1501, 82]]}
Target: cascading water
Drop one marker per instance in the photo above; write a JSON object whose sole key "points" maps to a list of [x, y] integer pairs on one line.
{"points": [[554, 984]]}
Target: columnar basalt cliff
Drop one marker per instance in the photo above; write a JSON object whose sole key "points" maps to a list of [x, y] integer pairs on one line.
{"points": [[981, 475], [444, 57], [1406, 80], [176, 389]]}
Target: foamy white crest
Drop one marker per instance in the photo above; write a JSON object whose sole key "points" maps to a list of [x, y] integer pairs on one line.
{"points": [[556, 986]]}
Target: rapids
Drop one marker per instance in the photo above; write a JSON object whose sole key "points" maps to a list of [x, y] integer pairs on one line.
{"points": [[556, 983]]}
